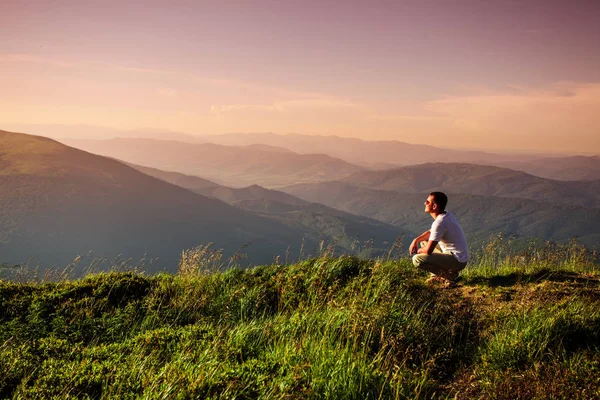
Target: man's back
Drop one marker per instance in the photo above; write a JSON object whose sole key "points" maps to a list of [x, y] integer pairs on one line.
{"points": [[447, 231]]}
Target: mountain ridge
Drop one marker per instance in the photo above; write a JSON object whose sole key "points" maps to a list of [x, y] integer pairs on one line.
{"points": [[62, 207], [479, 180], [480, 216], [228, 165], [343, 229]]}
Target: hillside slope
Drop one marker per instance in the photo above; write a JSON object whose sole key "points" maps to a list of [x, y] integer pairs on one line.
{"points": [[346, 230], [338, 328], [58, 202], [480, 180], [575, 168], [480, 216]]}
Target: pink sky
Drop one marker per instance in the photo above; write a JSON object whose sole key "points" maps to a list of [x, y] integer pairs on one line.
{"points": [[520, 75]]}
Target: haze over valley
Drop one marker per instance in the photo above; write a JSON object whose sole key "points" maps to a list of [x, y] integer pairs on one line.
{"points": [[59, 203], [260, 203], [279, 130]]}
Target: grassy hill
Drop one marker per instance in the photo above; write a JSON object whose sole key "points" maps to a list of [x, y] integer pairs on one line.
{"points": [[228, 165], [58, 202], [525, 327]]}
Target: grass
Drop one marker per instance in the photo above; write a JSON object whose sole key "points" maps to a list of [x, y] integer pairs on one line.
{"points": [[327, 327]]}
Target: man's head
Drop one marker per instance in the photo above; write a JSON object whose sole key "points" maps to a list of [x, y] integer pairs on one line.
{"points": [[436, 203]]}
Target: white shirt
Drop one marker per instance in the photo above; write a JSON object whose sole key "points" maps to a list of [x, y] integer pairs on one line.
{"points": [[446, 230]]}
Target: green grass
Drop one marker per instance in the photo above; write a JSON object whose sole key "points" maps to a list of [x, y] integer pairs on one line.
{"points": [[326, 327]]}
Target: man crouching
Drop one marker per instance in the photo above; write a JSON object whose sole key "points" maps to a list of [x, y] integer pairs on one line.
{"points": [[445, 230]]}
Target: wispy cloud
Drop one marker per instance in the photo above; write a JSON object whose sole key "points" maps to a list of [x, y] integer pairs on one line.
{"points": [[560, 94], [318, 103], [562, 116], [34, 59], [282, 98], [225, 108], [167, 92]]}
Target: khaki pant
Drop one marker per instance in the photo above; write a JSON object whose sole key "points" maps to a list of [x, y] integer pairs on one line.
{"points": [[438, 263]]}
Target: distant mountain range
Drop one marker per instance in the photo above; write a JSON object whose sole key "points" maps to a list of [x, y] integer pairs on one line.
{"points": [[380, 154], [390, 154], [347, 231], [370, 154], [64, 131], [480, 216], [228, 165], [479, 180], [488, 200], [561, 168], [58, 202]]}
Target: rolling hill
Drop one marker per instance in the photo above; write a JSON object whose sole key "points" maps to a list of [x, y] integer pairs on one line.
{"points": [[575, 168], [372, 154], [346, 230], [480, 216], [480, 180], [58, 202], [227, 165]]}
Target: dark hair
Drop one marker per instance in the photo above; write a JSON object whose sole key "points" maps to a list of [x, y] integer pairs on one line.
{"points": [[440, 199]]}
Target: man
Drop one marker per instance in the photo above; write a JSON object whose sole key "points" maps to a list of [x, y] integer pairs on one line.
{"points": [[446, 231]]}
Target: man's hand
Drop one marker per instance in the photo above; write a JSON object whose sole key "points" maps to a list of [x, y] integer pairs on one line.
{"points": [[414, 247]]}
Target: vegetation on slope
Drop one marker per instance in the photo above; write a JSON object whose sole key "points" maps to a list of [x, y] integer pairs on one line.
{"points": [[480, 216], [330, 327], [57, 202], [482, 180], [319, 221]]}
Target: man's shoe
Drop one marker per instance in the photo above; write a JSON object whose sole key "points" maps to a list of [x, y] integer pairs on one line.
{"points": [[447, 281], [450, 275], [437, 280]]}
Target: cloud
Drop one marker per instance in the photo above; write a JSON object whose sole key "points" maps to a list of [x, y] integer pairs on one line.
{"points": [[560, 116], [561, 97], [167, 92], [34, 59], [190, 81], [293, 105], [226, 108]]}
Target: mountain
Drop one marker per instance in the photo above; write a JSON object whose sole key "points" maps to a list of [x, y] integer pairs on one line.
{"points": [[57, 202], [266, 147], [480, 216], [191, 182], [63, 131], [479, 180], [231, 166], [234, 196], [372, 154], [576, 168], [344, 229]]}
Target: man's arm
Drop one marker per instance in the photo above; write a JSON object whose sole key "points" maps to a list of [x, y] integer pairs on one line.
{"points": [[428, 248], [414, 246]]}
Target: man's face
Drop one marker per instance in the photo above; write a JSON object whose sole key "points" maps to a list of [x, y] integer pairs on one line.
{"points": [[429, 204]]}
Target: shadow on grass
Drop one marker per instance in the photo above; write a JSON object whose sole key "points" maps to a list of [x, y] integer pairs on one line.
{"points": [[539, 276]]}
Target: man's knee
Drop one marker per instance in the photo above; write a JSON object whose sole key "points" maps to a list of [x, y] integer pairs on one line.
{"points": [[419, 259]]}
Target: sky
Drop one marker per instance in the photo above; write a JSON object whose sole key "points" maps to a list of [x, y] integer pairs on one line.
{"points": [[493, 75]]}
